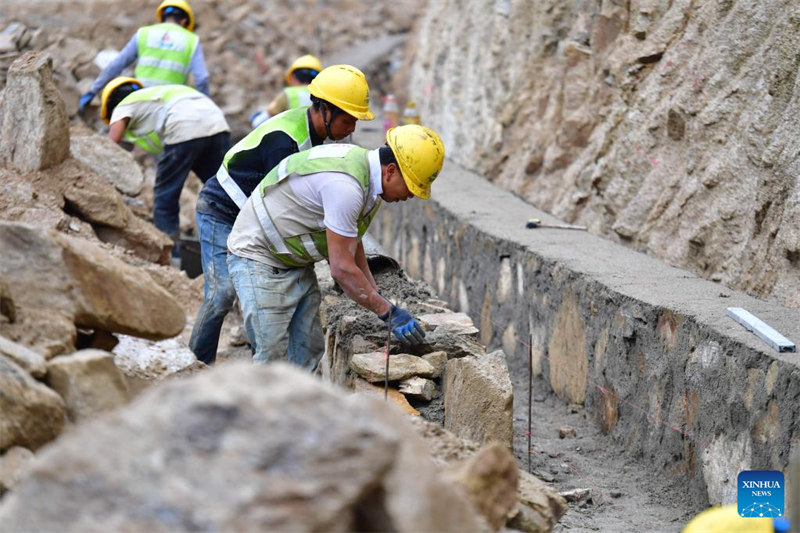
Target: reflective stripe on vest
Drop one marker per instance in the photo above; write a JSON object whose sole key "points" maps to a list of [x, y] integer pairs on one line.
{"points": [[165, 94], [301, 250], [293, 123], [298, 96], [165, 54]]}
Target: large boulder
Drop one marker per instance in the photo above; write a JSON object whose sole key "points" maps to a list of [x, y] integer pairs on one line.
{"points": [[107, 159], [31, 415], [33, 123], [240, 448], [63, 280]]}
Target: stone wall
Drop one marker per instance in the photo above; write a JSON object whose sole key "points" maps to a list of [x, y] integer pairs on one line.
{"points": [[646, 347], [667, 126]]}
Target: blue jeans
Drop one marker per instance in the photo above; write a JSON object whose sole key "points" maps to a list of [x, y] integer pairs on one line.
{"points": [[219, 293], [203, 156], [281, 311]]}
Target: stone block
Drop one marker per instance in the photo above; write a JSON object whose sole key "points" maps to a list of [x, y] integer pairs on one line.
{"points": [[478, 398]]}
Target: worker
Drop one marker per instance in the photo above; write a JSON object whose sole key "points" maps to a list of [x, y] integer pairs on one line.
{"points": [[177, 120], [726, 519], [340, 97], [317, 205], [167, 52], [295, 94]]}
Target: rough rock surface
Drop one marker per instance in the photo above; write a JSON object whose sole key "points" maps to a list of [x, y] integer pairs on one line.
{"points": [[31, 414], [33, 127], [14, 464], [240, 448], [34, 363], [58, 282], [107, 159], [669, 126], [478, 398], [88, 381]]}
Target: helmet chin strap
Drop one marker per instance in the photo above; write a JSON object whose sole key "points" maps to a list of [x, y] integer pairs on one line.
{"points": [[326, 121]]}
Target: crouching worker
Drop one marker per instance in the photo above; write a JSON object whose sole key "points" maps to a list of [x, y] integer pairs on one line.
{"points": [[177, 120], [318, 204]]}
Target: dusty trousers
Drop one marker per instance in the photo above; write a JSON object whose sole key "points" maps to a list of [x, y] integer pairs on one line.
{"points": [[280, 308]]}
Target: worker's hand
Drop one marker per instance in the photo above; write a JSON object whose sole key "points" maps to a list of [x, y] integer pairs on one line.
{"points": [[404, 326], [84, 101], [258, 118]]}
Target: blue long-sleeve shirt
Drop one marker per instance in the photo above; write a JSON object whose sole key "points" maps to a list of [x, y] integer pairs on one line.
{"points": [[130, 52]]}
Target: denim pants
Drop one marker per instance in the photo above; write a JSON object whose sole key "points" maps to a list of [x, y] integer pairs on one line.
{"points": [[281, 311], [203, 156], [219, 293]]}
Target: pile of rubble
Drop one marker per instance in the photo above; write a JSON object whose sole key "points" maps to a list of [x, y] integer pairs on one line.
{"points": [[247, 45]]}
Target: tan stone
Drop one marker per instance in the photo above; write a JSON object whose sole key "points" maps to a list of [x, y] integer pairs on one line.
{"points": [[478, 398], [567, 351], [372, 366], [89, 382], [417, 387], [487, 326], [14, 463], [438, 361], [31, 415], [394, 396], [33, 122], [505, 280]]}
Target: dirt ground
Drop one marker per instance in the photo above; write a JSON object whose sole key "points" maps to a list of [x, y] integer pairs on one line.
{"points": [[624, 495]]}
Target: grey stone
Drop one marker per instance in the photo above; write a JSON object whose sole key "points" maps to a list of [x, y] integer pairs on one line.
{"points": [[26, 358], [33, 133], [418, 387], [240, 448], [107, 159], [88, 381]]}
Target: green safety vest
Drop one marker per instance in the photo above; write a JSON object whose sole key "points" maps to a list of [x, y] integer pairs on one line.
{"points": [[165, 94], [293, 123], [165, 54], [298, 96], [308, 248]]}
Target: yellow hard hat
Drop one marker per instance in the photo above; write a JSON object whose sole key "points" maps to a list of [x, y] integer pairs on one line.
{"points": [[420, 154], [307, 61], [180, 4], [726, 519], [109, 89], [346, 88]]}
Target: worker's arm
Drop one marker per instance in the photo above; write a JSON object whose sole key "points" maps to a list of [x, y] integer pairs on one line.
{"points": [[199, 71], [361, 261], [127, 56], [342, 253], [117, 129], [279, 104]]}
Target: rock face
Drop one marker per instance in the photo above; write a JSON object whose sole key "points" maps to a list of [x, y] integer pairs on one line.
{"points": [[31, 415], [58, 282], [240, 448], [33, 131], [668, 126]]}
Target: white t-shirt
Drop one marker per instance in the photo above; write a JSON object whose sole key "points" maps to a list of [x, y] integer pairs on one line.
{"points": [[184, 120], [326, 199]]}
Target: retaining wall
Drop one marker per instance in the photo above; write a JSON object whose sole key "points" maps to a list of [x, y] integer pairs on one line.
{"points": [[646, 347]]}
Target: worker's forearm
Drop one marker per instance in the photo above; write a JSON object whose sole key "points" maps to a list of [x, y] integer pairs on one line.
{"points": [[356, 285]]}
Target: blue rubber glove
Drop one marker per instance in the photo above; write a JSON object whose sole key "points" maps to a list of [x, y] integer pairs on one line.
{"points": [[84, 101], [258, 118], [404, 326]]}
